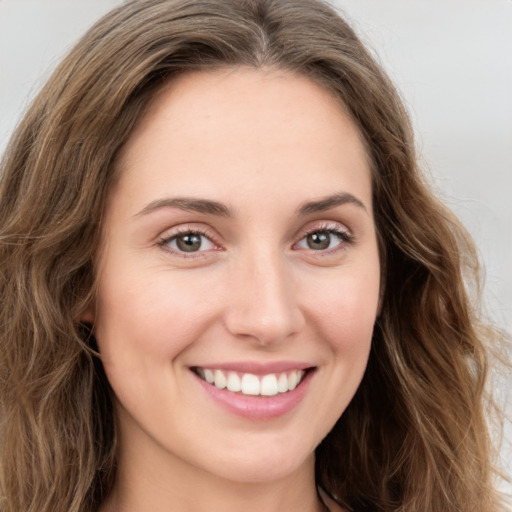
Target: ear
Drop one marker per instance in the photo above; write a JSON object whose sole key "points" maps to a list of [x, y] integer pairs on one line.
{"points": [[89, 314]]}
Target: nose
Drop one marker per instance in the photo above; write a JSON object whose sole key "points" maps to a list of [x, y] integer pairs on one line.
{"points": [[264, 304]]}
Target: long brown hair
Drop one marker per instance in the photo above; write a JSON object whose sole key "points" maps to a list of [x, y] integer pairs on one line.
{"points": [[413, 438]]}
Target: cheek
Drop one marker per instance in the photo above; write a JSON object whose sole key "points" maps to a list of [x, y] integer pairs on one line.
{"points": [[145, 318], [345, 310], [342, 312]]}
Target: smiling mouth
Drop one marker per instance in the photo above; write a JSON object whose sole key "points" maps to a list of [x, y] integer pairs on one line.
{"points": [[249, 384]]}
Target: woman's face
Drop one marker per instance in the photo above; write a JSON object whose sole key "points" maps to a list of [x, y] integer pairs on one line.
{"points": [[239, 247]]}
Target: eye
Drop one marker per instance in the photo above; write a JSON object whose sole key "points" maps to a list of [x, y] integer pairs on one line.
{"points": [[188, 242], [324, 239]]}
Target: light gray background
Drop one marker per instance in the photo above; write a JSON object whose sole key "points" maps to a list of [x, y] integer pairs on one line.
{"points": [[452, 61]]}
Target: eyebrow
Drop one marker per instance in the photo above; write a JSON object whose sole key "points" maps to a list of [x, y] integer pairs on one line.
{"points": [[326, 203], [189, 204], [207, 206]]}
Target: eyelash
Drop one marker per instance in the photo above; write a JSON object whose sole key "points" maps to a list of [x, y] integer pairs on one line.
{"points": [[343, 235], [165, 241]]}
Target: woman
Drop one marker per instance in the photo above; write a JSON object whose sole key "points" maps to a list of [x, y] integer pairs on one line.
{"points": [[225, 283]]}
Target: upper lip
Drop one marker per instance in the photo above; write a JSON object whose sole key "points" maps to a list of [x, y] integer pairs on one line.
{"points": [[257, 368]]}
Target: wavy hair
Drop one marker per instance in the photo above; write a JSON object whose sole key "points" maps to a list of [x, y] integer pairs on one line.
{"points": [[415, 435]]}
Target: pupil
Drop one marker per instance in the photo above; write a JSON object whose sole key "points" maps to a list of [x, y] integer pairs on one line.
{"points": [[189, 243], [318, 241]]}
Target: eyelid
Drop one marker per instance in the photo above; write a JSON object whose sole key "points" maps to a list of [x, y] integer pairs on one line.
{"points": [[336, 228], [184, 229], [323, 225]]}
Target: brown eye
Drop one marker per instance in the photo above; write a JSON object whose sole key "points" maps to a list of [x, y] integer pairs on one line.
{"points": [[324, 239], [189, 242], [319, 241]]}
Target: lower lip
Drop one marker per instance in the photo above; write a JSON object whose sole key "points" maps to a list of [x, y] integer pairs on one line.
{"points": [[257, 407]]}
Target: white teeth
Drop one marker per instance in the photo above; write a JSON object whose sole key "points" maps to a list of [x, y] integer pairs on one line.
{"points": [[220, 379], [292, 381], [233, 383], [250, 384], [269, 385], [282, 383]]}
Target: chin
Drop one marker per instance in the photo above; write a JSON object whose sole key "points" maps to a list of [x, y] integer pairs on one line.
{"points": [[270, 464]]}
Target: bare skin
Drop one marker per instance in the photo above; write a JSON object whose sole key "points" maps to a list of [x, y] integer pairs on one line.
{"points": [[239, 239]]}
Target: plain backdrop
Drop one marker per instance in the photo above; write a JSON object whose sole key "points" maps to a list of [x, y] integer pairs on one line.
{"points": [[451, 60]]}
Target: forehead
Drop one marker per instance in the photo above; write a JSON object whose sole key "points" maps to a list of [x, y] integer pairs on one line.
{"points": [[219, 130]]}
